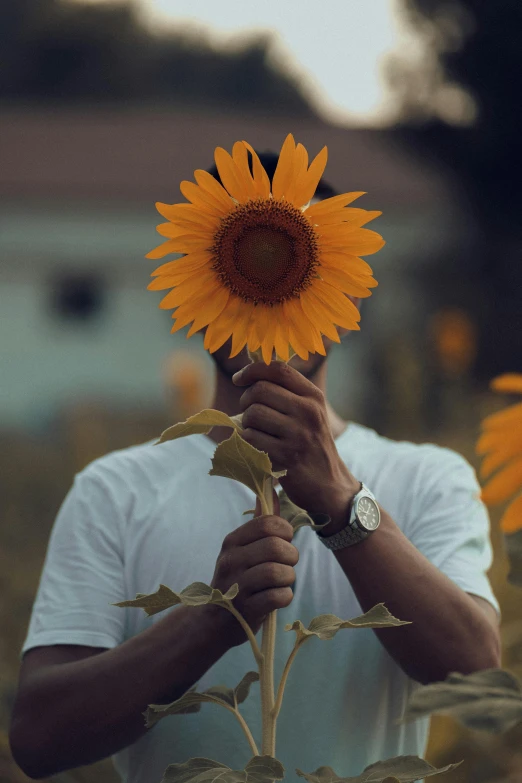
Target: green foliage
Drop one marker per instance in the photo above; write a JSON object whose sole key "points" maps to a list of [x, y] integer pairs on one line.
{"points": [[325, 626], [260, 769], [236, 459], [298, 517], [489, 700], [200, 424], [192, 701], [196, 594], [402, 769]]}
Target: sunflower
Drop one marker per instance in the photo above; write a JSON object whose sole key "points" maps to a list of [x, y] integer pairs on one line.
{"points": [[501, 443], [261, 264]]}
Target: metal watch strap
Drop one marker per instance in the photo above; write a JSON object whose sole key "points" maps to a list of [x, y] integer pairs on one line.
{"points": [[349, 535]]}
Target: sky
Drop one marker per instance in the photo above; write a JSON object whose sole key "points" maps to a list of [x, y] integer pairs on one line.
{"points": [[335, 46]]}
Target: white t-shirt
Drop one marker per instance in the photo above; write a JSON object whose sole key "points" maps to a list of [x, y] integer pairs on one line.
{"points": [[151, 514]]}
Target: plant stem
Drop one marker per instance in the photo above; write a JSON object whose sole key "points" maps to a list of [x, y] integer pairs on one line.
{"points": [[248, 733], [266, 669], [282, 683], [248, 630]]}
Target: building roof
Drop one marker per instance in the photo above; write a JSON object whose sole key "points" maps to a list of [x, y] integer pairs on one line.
{"points": [[140, 156]]}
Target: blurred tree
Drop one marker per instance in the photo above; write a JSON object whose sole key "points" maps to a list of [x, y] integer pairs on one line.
{"points": [[462, 106], [54, 51]]}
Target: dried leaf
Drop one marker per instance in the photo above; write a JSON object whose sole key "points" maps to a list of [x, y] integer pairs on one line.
{"points": [[325, 626], [260, 769], [236, 459], [513, 547], [489, 700], [401, 769], [196, 594], [191, 701], [298, 517], [243, 689], [200, 424]]}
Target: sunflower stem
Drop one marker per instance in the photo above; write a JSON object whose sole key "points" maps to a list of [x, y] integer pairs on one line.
{"points": [[266, 668]]}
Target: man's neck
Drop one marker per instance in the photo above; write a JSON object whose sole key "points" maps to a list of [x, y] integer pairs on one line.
{"points": [[227, 399]]}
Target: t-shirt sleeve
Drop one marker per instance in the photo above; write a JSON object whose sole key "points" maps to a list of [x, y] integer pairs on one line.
{"points": [[82, 572], [451, 524]]}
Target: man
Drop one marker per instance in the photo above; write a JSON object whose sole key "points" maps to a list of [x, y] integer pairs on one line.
{"points": [[152, 514]]}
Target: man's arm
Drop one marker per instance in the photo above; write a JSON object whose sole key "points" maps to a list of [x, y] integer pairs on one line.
{"points": [[285, 415], [450, 631], [71, 714], [68, 714]]}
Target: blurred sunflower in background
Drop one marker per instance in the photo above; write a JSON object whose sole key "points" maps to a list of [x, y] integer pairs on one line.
{"points": [[501, 446], [262, 265]]}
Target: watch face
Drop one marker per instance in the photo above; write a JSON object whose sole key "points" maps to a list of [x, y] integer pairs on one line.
{"points": [[368, 514]]}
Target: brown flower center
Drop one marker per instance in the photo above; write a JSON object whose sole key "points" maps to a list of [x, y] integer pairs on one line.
{"points": [[265, 251]]}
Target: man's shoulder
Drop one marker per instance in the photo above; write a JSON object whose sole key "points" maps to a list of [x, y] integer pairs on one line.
{"points": [[143, 463], [425, 458]]}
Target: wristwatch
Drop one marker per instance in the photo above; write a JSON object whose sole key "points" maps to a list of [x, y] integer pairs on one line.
{"points": [[365, 518]]}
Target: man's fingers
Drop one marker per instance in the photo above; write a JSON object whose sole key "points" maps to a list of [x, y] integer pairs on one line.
{"points": [[276, 372], [268, 394], [259, 527]]}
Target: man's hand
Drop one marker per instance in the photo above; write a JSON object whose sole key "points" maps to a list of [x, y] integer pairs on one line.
{"points": [[285, 415], [258, 556]]}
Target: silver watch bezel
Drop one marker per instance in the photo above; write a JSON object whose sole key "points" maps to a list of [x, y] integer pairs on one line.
{"points": [[363, 493]]}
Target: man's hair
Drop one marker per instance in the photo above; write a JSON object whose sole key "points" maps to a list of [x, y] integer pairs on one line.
{"points": [[269, 161]]}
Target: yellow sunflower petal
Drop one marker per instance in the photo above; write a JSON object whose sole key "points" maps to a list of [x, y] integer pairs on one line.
{"points": [[307, 185], [350, 216], [299, 325], [296, 343], [212, 309], [315, 339], [204, 280], [344, 282], [504, 484], [187, 243], [261, 178], [333, 203], [222, 327], [185, 313], [281, 343], [284, 169], [300, 169], [210, 184], [357, 241], [499, 457], [230, 176], [510, 382], [174, 212], [240, 158], [173, 231], [343, 311], [163, 250], [336, 259], [199, 197], [511, 521], [508, 417], [191, 261], [240, 333], [319, 315]]}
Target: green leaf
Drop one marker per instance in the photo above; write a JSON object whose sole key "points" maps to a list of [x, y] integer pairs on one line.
{"points": [[196, 594], [191, 701], [260, 769], [298, 517], [325, 626], [236, 459], [513, 547], [401, 769], [489, 700], [200, 424]]}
